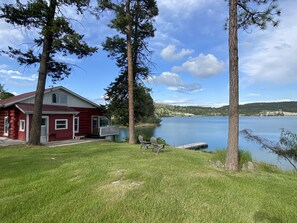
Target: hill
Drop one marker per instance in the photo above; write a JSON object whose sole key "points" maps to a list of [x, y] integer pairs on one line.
{"points": [[251, 109]]}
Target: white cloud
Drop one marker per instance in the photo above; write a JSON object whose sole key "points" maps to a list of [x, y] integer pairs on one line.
{"points": [[202, 66], [174, 102], [100, 100], [270, 56], [10, 36], [169, 53], [30, 78], [15, 78], [185, 8], [173, 83], [67, 59], [10, 72], [254, 95], [3, 66]]}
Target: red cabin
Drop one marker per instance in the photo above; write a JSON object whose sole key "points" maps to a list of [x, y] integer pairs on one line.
{"points": [[65, 115]]}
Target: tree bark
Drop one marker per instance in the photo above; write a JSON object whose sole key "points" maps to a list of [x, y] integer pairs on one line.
{"points": [[47, 45], [233, 131], [130, 75]]}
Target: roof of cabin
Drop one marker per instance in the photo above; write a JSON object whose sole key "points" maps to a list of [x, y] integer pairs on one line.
{"points": [[46, 109], [20, 98]]}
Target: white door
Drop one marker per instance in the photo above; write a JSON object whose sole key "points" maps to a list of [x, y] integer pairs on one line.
{"points": [[44, 129]]}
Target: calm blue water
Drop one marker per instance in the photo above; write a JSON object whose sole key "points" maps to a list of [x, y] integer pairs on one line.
{"points": [[214, 131]]}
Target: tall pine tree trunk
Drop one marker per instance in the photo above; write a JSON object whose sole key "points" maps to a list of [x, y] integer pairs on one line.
{"points": [[232, 151], [47, 44], [130, 75]]}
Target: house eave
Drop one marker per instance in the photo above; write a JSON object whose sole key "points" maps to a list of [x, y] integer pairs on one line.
{"points": [[52, 113]]}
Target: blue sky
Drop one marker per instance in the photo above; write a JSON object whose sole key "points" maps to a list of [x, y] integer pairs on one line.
{"points": [[190, 56]]}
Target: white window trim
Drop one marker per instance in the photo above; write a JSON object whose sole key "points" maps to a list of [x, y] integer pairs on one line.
{"points": [[5, 133], [76, 131], [23, 125], [27, 127], [66, 124]]}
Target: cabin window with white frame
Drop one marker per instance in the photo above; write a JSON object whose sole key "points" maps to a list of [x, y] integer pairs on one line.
{"points": [[76, 124], [22, 125], [104, 121], [59, 98], [61, 124], [6, 126]]}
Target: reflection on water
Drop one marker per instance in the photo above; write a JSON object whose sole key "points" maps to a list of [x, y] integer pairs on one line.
{"points": [[214, 131]]}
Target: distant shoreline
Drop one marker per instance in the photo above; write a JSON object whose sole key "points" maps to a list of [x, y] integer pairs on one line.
{"points": [[241, 115], [252, 109]]}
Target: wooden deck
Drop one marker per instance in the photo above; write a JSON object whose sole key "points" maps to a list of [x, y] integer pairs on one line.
{"points": [[194, 146]]}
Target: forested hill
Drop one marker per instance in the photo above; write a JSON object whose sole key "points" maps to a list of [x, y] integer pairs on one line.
{"points": [[252, 109]]}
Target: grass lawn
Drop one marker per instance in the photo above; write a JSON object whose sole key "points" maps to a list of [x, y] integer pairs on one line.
{"points": [[117, 182]]}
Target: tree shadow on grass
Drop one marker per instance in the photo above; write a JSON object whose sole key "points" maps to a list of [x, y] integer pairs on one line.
{"points": [[260, 216]]}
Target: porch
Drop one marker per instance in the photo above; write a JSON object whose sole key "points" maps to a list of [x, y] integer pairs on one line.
{"points": [[102, 127]]}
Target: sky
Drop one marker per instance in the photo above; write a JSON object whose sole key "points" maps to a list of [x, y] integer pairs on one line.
{"points": [[190, 57]]}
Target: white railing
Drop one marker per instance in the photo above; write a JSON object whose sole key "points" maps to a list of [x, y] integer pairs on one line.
{"points": [[109, 131]]}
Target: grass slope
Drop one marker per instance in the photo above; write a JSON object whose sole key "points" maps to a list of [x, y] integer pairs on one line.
{"points": [[117, 182]]}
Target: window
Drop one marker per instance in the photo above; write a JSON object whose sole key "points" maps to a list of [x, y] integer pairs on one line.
{"points": [[104, 121], [59, 98], [61, 124], [76, 124], [6, 126], [22, 125]]}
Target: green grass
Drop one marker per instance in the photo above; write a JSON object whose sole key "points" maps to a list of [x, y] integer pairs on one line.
{"points": [[243, 156], [117, 182]]}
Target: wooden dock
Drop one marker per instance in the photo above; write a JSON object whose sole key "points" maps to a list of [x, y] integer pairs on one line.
{"points": [[194, 146]]}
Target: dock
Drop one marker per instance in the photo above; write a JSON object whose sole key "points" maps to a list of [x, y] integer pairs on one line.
{"points": [[194, 146]]}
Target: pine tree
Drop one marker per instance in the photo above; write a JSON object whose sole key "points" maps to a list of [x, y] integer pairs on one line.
{"points": [[55, 36], [242, 14], [134, 25], [4, 93], [117, 95]]}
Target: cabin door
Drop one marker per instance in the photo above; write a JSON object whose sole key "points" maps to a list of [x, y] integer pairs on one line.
{"points": [[95, 125], [44, 129]]}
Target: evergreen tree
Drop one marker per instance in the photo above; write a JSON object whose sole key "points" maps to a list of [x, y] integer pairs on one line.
{"points": [[117, 95], [134, 25], [130, 74], [4, 93], [55, 36], [242, 14]]}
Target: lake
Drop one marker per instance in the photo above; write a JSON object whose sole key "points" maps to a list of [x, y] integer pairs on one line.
{"points": [[213, 130]]}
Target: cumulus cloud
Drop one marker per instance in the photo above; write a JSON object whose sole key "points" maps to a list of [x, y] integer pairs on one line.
{"points": [[169, 53], [16, 78], [254, 95], [183, 8], [3, 66], [30, 78], [202, 66], [173, 82], [99, 101], [174, 102], [10, 72], [270, 56], [10, 36], [67, 59]]}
